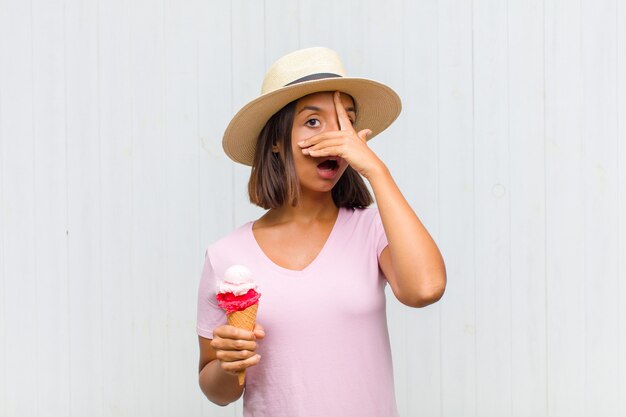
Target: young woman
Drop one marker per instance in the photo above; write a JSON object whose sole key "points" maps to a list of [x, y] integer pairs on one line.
{"points": [[321, 259]]}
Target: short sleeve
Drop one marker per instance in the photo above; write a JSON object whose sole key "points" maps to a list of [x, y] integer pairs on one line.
{"points": [[379, 234], [210, 315]]}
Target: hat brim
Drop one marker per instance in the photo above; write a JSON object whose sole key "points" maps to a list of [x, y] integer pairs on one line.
{"points": [[377, 106]]}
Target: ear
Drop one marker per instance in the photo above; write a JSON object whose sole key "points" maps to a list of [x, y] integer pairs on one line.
{"points": [[275, 148]]}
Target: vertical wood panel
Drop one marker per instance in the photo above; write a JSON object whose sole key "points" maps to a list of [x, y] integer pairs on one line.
{"points": [[18, 206], [119, 382], [599, 168], [621, 163], [4, 286], [83, 147], [84, 210], [456, 209], [149, 201], [527, 196], [492, 216], [564, 211], [3, 281], [52, 382], [181, 162]]}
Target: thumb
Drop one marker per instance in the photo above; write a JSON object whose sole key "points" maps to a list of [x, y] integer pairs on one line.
{"points": [[363, 134]]}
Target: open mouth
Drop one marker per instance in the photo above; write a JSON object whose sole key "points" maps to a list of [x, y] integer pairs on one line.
{"points": [[328, 168], [328, 165]]}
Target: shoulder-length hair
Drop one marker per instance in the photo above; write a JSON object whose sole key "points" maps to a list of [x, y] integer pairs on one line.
{"points": [[273, 181]]}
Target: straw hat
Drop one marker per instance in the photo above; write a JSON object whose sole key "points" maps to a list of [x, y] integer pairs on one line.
{"points": [[296, 75]]}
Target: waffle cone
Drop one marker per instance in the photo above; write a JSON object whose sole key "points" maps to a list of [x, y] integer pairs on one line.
{"points": [[244, 319]]}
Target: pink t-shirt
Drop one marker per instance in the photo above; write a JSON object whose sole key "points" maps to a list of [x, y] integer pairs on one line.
{"points": [[326, 350]]}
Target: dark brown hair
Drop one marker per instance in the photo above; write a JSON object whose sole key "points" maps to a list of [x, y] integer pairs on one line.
{"points": [[273, 181]]}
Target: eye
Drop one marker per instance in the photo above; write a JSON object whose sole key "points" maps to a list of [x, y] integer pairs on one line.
{"points": [[312, 123]]}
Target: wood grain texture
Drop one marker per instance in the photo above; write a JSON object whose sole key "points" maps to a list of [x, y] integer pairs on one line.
{"points": [[565, 234], [599, 144], [456, 209], [621, 180], [19, 179], [116, 110], [526, 113], [51, 296], [84, 225], [492, 209]]}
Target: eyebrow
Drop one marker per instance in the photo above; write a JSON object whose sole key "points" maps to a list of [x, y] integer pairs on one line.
{"points": [[315, 108]]}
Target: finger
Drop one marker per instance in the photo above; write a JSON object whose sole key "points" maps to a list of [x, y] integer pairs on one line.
{"points": [[232, 344], [330, 143], [238, 366], [259, 331], [331, 134], [342, 116], [234, 355], [232, 332], [329, 151]]}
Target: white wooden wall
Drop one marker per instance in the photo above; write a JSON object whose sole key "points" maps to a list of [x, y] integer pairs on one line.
{"points": [[511, 148]]}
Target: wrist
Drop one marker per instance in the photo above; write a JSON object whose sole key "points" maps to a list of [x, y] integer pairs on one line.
{"points": [[377, 171]]}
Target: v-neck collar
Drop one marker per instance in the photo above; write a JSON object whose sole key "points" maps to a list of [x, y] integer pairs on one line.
{"points": [[320, 255]]}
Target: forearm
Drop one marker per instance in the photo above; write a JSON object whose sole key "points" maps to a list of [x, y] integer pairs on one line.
{"points": [[420, 276], [219, 386]]}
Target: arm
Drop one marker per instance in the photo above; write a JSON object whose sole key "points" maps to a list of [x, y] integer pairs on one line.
{"points": [[223, 358], [412, 262]]}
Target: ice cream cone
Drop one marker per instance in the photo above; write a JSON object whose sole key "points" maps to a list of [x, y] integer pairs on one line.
{"points": [[244, 319]]}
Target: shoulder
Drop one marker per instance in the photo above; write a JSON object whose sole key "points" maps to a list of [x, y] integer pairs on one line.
{"points": [[237, 247], [362, 216]]}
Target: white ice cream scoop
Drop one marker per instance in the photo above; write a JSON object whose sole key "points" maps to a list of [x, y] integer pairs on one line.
{"points": [[237, 280], [238, 274]]}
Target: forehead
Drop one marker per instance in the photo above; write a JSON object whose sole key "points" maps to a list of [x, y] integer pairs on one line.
{"points": [[323, 99]]}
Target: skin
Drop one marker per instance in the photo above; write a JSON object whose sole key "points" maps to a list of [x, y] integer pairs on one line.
{"points": [[411, 262]]}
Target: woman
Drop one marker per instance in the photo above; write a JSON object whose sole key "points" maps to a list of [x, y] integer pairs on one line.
{"points": [[320, 257]]}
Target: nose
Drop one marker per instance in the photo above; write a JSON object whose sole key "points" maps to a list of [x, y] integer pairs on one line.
{"points": [[333, 123]]}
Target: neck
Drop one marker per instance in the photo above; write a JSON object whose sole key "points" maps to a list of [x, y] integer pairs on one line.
{"points": [[309, 208]]}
